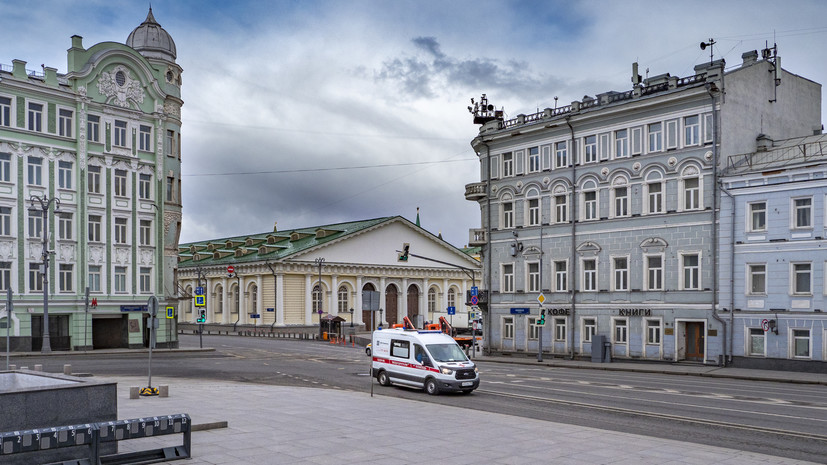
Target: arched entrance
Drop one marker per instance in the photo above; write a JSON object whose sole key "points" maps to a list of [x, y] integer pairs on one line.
{"points": [[413, 305], [366, 315], [391, 312]]}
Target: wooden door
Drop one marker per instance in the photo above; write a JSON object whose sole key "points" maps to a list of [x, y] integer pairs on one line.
{"points": [[413, 304], [391, 299], [695, 341]]}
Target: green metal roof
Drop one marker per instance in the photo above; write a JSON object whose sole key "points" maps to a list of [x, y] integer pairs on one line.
{"points": [[268, 245]]}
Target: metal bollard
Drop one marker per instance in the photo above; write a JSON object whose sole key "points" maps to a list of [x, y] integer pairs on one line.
{"points": [[38, 367], [134, 392], [163, 390], [67, 369]]}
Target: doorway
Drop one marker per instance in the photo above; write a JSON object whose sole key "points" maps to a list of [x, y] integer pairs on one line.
{"points": [[368, 318], [391, 299], [413, 306], [694, 342]]}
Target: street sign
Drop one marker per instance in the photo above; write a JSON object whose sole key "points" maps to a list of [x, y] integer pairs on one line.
{"points": [[94, 302], [520, 310], [255, 315], [474, 300], [200, 301], [452, 310], [170, 312], [230, 269], [765, 325], [199, 290], [133, 308], [271, 309], [475, 291], [541, 298]]}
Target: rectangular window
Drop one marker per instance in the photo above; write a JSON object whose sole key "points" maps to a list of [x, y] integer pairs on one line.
{"points": [[803, 209], [144, 138], [653, 332], [170, 143], [170, 189], [120, 133], [561, 155], [757, 279], [35, 278], [120, 230], [144, 278], [636, 142], [64, 174], [64, 122], [590, 144], [560, 329], [604, 147], [120, 279], [65, 277], [5, 167], [709, 129], [94, 228], [589, 328], [94, 278], [671, 134], [35, 171], [508, 327], [561, 209], [655, 137], [145, 186], [533, 159], [508, 164], [146, 232], [691, 272], [590, 200], [691, 194], [654, 273], [802, 279], [5, 111], [801, 343], [5, 221], [508, 215], [120, 183], [621, 332], [35, 224], [621, 273], [533, 277], [560, 276], [621, 201], [93, 179], [655, 194], [35, 117], [622, 143], [533, 329], [5, 276], [757, 340], [590, 275], [758, 216], [93, 128], [691, 130], [508, 278], [533, 212], [64, 226]]}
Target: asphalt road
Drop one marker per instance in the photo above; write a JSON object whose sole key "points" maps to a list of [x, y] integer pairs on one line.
{"points": [[786, 420]]}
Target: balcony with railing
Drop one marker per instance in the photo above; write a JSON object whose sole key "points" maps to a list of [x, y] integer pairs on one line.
{"points": [[476, 237], [475, 191]]}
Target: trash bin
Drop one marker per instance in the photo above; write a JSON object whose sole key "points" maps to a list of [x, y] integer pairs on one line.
{"points": [[324, 336], [597, 348], [607, 352]]}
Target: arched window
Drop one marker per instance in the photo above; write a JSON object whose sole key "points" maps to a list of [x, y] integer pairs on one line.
{"points": [[431, 300], [317, 299], [343, 299], [507, 212], [452, 297], [532, 203], [253, 299], [590, 206], [187, 302], [236, 302], [219, 300], [654, 193]]}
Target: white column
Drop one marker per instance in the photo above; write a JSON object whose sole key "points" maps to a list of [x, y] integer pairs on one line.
{"points": [[279, 299], [192, 304], [259, 300], [357, 309], [445, 287], [383, 302], [334, 294], [404, 294], [308, 299], [225, 315], [208, 296], [423, 300], [242, 302]]}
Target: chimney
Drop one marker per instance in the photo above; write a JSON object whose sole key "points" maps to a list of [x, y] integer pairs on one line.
{"points": [[763, 143], [749, 58], [275, 226]]}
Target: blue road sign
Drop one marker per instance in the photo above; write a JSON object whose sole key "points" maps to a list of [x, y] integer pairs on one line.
{"points": [[452, 310], [199, 290], [200, 301], [170, 312], [474, 290], [271, 309], [255, 315], [520, 310]]}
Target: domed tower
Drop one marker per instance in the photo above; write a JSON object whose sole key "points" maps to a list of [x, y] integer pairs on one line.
{"points": [[151, 40]]}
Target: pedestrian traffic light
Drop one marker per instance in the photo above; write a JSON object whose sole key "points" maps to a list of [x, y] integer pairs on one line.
{"points": [[403, 256], [202, 315], [542, 316]]}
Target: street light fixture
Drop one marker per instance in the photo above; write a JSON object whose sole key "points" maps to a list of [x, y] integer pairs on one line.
{"points": [[351, 317], [45, 203]]}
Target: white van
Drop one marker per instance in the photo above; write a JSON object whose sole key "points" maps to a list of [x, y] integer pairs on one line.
{"points": [[427, 360]]}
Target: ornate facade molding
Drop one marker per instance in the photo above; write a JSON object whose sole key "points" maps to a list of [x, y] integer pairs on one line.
{"points": [[119, 88]]}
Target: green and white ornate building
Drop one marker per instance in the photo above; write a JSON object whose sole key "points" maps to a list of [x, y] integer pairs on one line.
{"points": [[104, 140]]}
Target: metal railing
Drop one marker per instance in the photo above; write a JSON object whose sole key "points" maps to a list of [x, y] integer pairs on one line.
{"points": [[792, 154]]}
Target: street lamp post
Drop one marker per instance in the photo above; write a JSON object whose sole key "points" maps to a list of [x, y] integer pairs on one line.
{"points": [[351, 317], [320, 262], [45, 203]]}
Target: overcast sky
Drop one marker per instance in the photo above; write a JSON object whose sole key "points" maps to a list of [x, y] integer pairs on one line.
{"points": [[314, 112]]}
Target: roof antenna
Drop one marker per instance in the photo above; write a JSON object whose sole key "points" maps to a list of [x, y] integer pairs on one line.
{"points": [[709, 44]]}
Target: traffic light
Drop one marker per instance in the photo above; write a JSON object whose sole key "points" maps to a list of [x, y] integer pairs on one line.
{"points": [[202, 315], [403, 256], [542, 316]]}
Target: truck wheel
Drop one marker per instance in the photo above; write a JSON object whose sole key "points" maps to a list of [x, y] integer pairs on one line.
{"points": [[431, 387], [383, 379]]}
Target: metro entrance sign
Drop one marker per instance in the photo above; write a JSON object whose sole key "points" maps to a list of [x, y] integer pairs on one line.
{"points": [[230, 269]]}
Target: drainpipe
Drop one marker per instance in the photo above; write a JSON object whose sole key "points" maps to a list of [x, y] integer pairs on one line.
{"points": [[713, 92], [487, 319], [573, 218], [731, 273]]}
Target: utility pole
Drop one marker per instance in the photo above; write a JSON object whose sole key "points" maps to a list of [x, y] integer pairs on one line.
{"points": [[320, 262], [45, 203]]}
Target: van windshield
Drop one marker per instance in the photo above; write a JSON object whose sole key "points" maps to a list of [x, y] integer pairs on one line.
{"points": [[447, 353]]}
